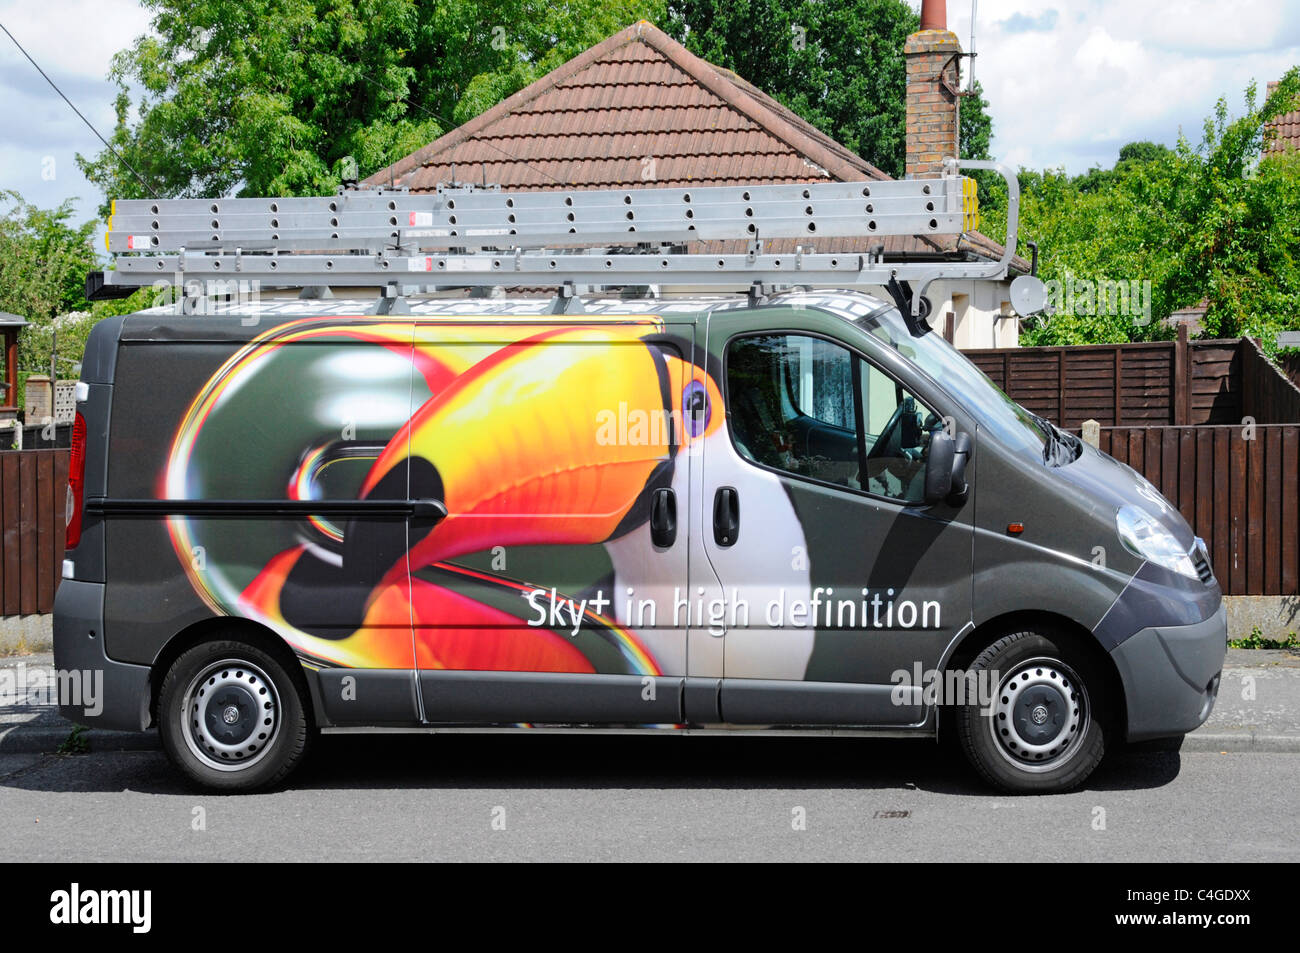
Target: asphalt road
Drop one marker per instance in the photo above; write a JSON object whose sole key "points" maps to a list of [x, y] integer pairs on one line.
{"points": [[420, 797]]}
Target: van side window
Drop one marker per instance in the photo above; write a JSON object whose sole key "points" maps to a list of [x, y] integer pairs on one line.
{"points": [[811, 408]]}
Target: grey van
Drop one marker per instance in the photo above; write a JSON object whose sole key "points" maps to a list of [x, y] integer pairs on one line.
{"points": [[789, 514]]}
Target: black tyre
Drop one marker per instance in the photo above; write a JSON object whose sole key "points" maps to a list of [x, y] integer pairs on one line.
{"points": [[232, 718], [1044, 730]]}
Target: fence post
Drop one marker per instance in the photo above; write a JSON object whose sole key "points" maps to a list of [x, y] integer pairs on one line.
{"points": [[1181, 371], [1092, 433]]}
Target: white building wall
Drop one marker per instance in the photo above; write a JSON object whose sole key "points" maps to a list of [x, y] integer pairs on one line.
{"points": [[982, 311]]}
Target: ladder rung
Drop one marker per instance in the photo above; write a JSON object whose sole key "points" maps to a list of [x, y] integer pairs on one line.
{"points": [[376, 220]]}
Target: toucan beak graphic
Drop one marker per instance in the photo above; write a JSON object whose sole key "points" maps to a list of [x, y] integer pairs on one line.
{"points": [[517, 449]]}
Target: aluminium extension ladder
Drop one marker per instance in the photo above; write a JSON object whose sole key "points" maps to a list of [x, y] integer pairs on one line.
{"points": [[479, 237]]}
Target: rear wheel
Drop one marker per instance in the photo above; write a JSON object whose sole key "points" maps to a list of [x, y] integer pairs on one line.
{"points": [[1043, 731], [231, 717]]}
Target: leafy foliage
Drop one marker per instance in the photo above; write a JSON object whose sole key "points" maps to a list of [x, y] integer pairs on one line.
{"points": [[975, 125], [840, 66], [290, 97], [44, 260], [1258, 640], [1213, 222]]}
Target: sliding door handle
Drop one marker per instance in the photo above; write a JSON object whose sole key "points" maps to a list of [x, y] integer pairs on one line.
{"points": [[726, 516], [663, 518]]}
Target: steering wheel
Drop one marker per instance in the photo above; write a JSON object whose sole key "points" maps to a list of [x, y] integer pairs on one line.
{"points": [[888, 435]]}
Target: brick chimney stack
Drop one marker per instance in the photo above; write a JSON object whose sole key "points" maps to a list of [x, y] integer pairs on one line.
{"points": [[933, 105]]}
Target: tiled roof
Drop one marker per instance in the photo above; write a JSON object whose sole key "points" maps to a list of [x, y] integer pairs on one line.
{"points": [[1283, 132], [640, 110]]}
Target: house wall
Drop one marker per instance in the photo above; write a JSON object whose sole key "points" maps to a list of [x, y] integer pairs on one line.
{"points": [[982, 313]]}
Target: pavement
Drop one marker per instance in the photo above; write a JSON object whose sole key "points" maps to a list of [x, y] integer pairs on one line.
{"points": [[1258, 710]]}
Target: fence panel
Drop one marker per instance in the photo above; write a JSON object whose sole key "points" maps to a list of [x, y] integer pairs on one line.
{"points": [[33, 486], [1146, 383]]}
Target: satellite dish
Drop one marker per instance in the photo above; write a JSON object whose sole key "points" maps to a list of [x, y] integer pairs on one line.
{"points": [[1028, 295]]}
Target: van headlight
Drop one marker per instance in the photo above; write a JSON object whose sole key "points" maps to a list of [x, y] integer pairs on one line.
{"points": [[1143, 536]]}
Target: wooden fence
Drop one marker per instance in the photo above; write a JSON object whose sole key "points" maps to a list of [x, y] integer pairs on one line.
{"points": [[33, 491], [1145, 384], [1267, 393], [1236, 486]]}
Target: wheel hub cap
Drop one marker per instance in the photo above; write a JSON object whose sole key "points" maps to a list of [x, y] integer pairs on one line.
{"points": [[231, 714], [1040, 713]]}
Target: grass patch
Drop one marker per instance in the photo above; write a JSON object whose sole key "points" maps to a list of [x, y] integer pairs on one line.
{"points": [[76, 742], [1256, 640]]}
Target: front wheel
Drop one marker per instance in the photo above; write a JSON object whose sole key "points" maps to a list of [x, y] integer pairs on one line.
{"points": [[1043, 731], [231, 717]]}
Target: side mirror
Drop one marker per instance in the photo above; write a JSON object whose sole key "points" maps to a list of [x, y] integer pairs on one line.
{"points": [[938, 467], [945, 468], [961, 457]]}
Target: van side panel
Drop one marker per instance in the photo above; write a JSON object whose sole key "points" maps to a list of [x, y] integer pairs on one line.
{"points": [[261, 449], [1067, 561], [149, 598]]}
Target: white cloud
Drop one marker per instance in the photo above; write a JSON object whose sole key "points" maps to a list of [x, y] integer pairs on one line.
{"points": [[1108, 72], [74, 42]]}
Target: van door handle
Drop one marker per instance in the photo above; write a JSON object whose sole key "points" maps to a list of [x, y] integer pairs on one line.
{"points": [[726, 516], [428, 511], [663, 518]]}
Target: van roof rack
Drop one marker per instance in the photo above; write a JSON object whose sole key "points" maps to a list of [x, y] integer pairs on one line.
{"points": [[477, 237]]}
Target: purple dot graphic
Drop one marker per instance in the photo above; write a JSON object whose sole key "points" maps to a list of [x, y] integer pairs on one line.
{"points": [[696, 408]]}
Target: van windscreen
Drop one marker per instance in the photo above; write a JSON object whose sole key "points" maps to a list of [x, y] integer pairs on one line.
{"points": [[1009, 423]]}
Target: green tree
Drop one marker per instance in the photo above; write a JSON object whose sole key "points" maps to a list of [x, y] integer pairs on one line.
{"points": [[261, 97], [1213, 221], [975, 129], [44, 260], [289, 97], [840, 66], [1233, 220]]}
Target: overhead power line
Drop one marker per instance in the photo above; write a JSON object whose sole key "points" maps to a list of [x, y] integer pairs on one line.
{"points": [[120, 158]]}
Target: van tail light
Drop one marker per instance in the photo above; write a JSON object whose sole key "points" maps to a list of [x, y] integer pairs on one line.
{"points": [[76, 482]]}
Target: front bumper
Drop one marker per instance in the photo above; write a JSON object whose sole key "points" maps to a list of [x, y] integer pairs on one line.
{"points": [[120, 693], [1171, 675]]}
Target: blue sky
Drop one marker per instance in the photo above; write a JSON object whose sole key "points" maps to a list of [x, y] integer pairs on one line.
{"points": [[1069, 83]]}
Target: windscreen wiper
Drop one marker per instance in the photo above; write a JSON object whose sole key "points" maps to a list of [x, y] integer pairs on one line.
{"points": [[1053, 441]]}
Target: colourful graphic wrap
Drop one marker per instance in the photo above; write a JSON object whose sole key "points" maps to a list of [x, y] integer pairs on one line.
{"points": [[499, 422]]}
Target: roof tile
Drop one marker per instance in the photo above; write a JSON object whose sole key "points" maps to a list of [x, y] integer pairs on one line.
{"points": [[1282, 133]]}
